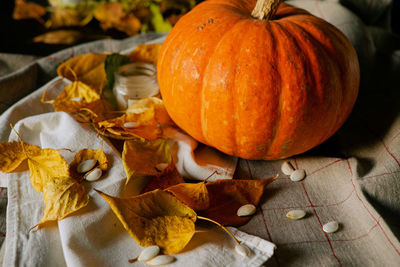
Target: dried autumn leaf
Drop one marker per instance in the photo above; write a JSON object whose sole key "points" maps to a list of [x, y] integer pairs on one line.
{"points": [[87, 68], [165, 179], [227, 196], [146, 53], [61, 37], [28, 10], [194, 195], [140, 159], [13, 154], [62, 196], [44, 165], [155, 218], [146, 114], [112, 15], [62, 16], [74, 97], [86, 154]]}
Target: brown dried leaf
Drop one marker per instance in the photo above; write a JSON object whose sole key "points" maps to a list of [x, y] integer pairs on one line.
{"points": [[194, 195], [227, 196], [28, 10], [155, 218], [112, 15], [61, 37]]}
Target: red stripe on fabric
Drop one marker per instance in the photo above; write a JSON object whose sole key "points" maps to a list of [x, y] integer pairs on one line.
{"points": [[328, 165], [377, 175], [319, 221], [377, 221], [262, 216]]}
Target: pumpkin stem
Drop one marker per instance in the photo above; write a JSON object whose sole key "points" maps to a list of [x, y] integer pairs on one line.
{"points": [[265, 9]]}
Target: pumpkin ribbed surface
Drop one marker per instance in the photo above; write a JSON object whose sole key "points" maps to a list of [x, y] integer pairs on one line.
{"points": [[257, 89]]}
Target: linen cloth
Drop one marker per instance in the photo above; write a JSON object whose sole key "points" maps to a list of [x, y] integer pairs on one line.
{"points": [[353, 178]]}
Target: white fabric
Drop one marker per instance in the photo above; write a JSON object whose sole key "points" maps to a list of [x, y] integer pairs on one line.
{"points": [[93, 236]]}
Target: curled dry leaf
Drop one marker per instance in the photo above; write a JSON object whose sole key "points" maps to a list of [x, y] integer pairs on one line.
{"points": [[113, 15], [62, 196], [59, 37], [146, 53], [87, 154], [227, 196], [194, 195], [28, 10], [148, 114], [140, 159], [155, 218], [87, 68]]}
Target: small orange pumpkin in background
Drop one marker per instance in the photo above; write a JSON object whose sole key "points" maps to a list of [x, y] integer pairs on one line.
{"points": [[256, 80]]}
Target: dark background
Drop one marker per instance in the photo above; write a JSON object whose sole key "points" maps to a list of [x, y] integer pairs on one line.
{"points": [[16, 36]]}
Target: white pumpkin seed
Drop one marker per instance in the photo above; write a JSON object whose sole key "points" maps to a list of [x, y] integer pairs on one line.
{"points": [[287, 168], [93, 175], [242, 250], [161, 166], [296, 214], [161, 260], [131, 124], [77, 99], [86, 165], [246, 210], [149, 253], [298, 175], [331, 227]]}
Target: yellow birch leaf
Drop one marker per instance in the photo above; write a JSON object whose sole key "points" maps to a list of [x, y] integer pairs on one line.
{"points": [[155, 218], [44, 165], [74, 97], [13, 155], [86, 154], [62, 196], [194, 195], [146, 53], [87, 68]]}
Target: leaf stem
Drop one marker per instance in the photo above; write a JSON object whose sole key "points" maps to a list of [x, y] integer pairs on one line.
{"points": [[220, 225]]}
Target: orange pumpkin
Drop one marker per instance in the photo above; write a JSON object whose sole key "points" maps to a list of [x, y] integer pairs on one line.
{"points": [[257, 81]]}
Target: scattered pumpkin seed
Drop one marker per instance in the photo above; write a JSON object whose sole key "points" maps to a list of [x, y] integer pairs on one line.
{"points": [[298, 175], [287, 168], [93, 175], [131, 124], [161, 260], [86, 165], [77, 99], [331, 227], [296, 214], [149, 253], [161, 166], [246, 210], [242, 250]]}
